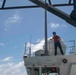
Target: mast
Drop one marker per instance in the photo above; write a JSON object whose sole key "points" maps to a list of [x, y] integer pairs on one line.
{"points": [[46, 50]]}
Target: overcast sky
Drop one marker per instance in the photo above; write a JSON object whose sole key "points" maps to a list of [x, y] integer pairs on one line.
{"points": [[19, 26]]}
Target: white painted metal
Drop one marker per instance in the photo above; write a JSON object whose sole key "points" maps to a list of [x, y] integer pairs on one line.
{"points": [[52, 61], [63, 62]]}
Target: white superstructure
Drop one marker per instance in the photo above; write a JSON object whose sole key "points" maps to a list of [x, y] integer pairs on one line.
{"points": [[51, 64]]}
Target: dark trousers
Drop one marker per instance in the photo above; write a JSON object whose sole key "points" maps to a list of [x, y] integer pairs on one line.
{"points": [[57, 44]]}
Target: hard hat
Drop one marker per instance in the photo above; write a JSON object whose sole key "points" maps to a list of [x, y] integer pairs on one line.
{"points": [[54, 33]]}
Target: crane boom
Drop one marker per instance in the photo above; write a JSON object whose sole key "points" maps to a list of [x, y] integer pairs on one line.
{"points": [[55, 11]]}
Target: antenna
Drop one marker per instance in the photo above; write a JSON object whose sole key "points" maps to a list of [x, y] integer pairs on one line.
{"points": [[30, 47]]}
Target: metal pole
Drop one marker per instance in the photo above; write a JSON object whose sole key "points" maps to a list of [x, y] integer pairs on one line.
{"points": [[25, 49], [69, 1], [75, 46], [49, 2], [30, 47], [74, 1], [45, 70], [3, 3], [46, 51]]}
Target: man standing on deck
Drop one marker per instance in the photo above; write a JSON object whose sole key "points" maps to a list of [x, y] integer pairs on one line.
{"points": [[57, 43]]}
